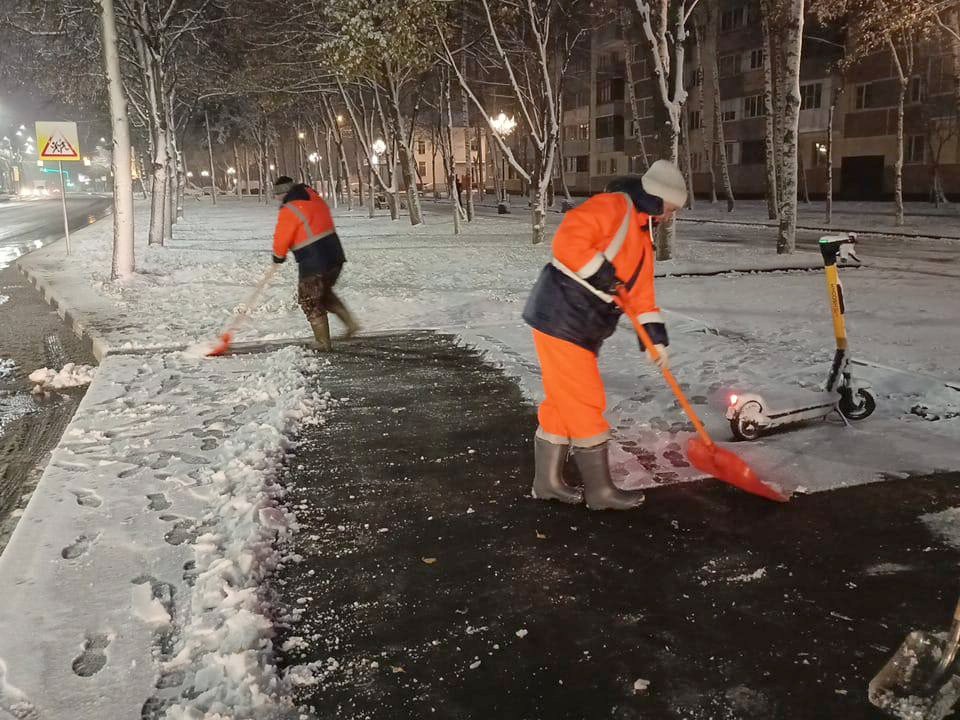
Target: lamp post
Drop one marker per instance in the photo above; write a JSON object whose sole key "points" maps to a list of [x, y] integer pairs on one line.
{"points": [[379, 147], [503, 126]]}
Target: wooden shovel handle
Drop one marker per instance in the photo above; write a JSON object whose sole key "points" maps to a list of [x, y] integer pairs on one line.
{"points": [[671, 380]]}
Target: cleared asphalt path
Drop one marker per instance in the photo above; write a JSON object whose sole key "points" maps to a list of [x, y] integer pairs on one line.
{"points": [[425, 583]]}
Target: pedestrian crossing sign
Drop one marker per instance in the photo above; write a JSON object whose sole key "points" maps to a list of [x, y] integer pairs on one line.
{"points": [[58, 141]]}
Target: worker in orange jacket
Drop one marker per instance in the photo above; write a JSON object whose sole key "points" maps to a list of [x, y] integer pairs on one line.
{"points": [[305, 226], [601, 246]]}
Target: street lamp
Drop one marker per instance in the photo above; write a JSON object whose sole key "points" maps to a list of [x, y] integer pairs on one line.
{"points": [[204, 173], [103, 140], [189, 173], [313, 157], [503, 126], [231, 171], [272, 168], [339, 118]]}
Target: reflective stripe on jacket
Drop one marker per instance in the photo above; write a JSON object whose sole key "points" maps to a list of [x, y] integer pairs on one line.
{"points": [[306, 227], [563, 304]]}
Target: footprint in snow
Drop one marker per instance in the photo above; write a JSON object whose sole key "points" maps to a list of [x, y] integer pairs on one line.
{"points": [[94, 657], [87, 498], [13, 701], [158, 502], [78, 547]]}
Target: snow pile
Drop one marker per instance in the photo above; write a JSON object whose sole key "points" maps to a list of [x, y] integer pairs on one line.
{"points": [[70, 376], [7, 367], [4, 299], [227, 646]]}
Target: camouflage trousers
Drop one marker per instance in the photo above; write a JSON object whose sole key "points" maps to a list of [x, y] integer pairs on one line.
{"points": [[316, 297]]}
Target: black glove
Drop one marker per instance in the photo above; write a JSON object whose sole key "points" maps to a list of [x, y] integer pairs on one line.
{"points": [[605, 279], [279, 260], [657, 332]]}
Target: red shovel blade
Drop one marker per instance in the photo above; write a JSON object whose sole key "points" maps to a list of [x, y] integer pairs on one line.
{"points": [[222, 346], [726, 466]]}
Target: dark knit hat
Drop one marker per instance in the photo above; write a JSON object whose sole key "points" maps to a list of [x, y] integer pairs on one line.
{"points": [[282, 185]]}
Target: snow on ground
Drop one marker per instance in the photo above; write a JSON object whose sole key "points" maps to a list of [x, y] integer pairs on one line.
{"points": [[162, 487], [7, 366], [738, 330], [138, 561], [70, 375]]}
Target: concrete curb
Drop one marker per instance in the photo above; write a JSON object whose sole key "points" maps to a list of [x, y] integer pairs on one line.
{"points": [[819, 228], [92, 341]]}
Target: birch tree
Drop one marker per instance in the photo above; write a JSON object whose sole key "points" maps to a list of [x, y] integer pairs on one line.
{"points": [[383, 44], [530, 45], [664, 26], [792, 42]]}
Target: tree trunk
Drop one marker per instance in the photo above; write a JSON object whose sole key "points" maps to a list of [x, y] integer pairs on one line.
{"points": [[833, 107], [213, 169], [158, 190], [235, 178], [635, 129], [769, 139], [449, 160], [793, 40], [246, 169], [359, 179], [706, 122], [802, 171], [685, 144], [898, 166], [123, 253], [720, 142], [334, 182]]}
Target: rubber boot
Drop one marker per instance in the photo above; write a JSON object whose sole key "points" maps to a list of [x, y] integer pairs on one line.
{"points": [[548, 484], [321, 332], [598, 488], [352, 326]]}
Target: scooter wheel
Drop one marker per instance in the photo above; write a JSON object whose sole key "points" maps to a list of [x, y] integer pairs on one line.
{"points": [[860, 411], [745, 426]]}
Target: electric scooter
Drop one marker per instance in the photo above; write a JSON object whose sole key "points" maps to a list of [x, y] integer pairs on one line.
{"points": [[752, 414]]}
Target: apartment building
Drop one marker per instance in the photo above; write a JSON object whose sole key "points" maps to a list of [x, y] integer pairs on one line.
{"points": [[598, 121]]}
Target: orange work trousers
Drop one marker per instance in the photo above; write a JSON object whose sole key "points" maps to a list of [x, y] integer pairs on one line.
{"points": [[572, 409]]}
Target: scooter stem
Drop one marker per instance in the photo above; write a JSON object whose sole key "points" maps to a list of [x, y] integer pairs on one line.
{"points": [[671, 380]]}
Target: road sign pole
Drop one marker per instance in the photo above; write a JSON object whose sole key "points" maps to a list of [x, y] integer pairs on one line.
{"points": [[63, 199]]}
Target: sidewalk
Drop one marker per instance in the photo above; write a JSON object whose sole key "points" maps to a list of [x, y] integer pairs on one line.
{"points": [[173, 459], [430, 585], [921, 220]]}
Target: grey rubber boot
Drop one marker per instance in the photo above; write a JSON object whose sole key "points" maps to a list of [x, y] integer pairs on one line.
{"points": [[548, 484], [321, 332], [598, 488]]}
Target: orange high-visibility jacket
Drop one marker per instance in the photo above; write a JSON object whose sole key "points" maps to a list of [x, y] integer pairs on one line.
{"points": [[305, 226], [605, 230]]}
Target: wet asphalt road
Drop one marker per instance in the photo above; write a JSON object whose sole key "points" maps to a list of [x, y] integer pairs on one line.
{"points": [[24, 223], [431, 586], [32, 336]]}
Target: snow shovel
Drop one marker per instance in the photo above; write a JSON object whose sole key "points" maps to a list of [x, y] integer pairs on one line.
{"points": [[918, 681], [223, 345], [702, 452]]}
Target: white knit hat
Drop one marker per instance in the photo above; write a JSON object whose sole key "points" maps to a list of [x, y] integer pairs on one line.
{"points": [[665, 181]]}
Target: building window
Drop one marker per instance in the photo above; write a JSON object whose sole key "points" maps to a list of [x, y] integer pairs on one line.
{"points": [[811, 96], [915, 91], [732, 19], [865, 96], [696, 121], [646, 107], [753, 106], [914, 149], [733, 156], [609, 90], [569, 132], [696, 161], [728, 110], [422, 168], [756, 59], [610, 126], [643, 68], [729, 64], [819, 154], [583, 163], [613, 166], [584, 131], [753, 152], [421, 147]]}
